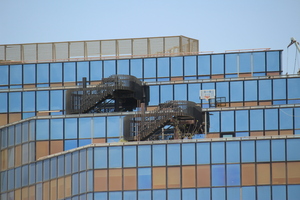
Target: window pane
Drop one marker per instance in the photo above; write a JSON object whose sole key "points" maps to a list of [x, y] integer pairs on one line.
{"points": [[55, 72], [273, 61], [180, 92], [262, 150], [222, 90], [248, 174], [29, 73], [69, 72], [144, 178], [136, 67], [190, 65], [286, 118], [84, 127], [250, 90], [115, 157], [248, 151], [166, 93], [159, 177], [113, 126], [203, 153], [42, 129], [100, 157], [263, 193], [230, 63], [154, 95], [293, 149], [293, 192], [144, 155], [278, 150], [232, 152], [271, 119], [123, 67], [256, 120], [56, 100], [71, 128], [278, 173], [15, 74], [217, 64], [188, 154], [96, 70], [218, 149], [129, 155], [159, 155], [159, 195], [15, 102], [293, 88], [259, 61], [173, 154], [236, 91], [42, 73], [109, 67], [279, 88], [214, 122], [188, 194], [4, 75], [218, 175], [227, 121], [149, 68], [3, 102], [245, 62], [218, 193], [42, 100], [176, 66], [163, 67], [193, 92], [82, 71], [241, 120], [233, 174], [204, 65], [28, 101], [265, 90], [233, 193], [263, 174], [99, 126], [203, 194]]}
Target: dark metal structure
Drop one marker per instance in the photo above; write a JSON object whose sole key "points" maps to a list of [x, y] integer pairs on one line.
{"points": [[115, 94], [184, 116]]}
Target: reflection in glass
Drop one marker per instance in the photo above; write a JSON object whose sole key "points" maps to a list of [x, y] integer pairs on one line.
{"points": [[42, 100], [109, 67], [217, 152], [173, 154], [42, 73], [69, 72], [96, 70], [230, 63], [256, 120], [144, 155], [15, 74], [163, 67], [217, 64], [29, 74], [4, 75], [180, 92], [204, 65], [82, 71], [245, 63], [248, 151], [190, 65], [265, 90], [123, 67], [136, 67], [55, 72], [273, 60], [259, 61], [144, 178], [176, 66], [166, 93], [279, 88], [250, 90]]}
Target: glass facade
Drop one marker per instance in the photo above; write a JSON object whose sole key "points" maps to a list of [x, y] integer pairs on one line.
{"points": [[249, 149]]}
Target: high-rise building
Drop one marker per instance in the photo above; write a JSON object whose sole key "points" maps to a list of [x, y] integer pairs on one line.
{"points": [[123, 119]]}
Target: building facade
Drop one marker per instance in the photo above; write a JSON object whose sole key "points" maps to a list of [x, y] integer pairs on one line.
{"points": [[249, 149]]}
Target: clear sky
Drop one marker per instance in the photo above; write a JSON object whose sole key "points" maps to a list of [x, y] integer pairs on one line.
{"points": [[219, 25]]}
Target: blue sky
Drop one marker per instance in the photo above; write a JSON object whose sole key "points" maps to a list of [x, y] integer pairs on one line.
{"points": [[219, 25]]}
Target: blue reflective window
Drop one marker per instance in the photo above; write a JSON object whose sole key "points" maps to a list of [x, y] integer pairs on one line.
{"points": [[154, 95], [68, 164], [230, 63], [217, 64], [297, 119], [29, 74], [42, 129], [248, 193], [115, 157], [263, 193], [113, 126], [123, 67], [144, 155], [159, 155], [217, 152], [4, 75], [46, 170], [3, 181], [129, 195], [173, 154], [193, 92], [293, 88], [245, 62], [265, 90], [55, 72], [293, 192], [271, 119], [163, 67], [214, 122], [56, 100], [174, 194], [136, 68], [279, 192], [166, 93], [3, 102], [99, 126], [232, 152], [180, 92], [218, 193], [256, 120], [144, 178], [69, 72], [15, 74], [101, 195], [144, 195], [42, 100], [149, 68], [96, 70], [75, 184], [259, 61], [53, 168], [60, 166], [42, 73], [203, 153], [286, 118], [82, 71], [28, 101], [84, 127], [233, 175], [83, 142], [227, 121], [203, 194], [278, 150], [90, 181], [11, 180], [273, 61], [100, 157], [236, 91], [222, 90], [17, 177], [250, 90], [241, 120], [204, 65], [15, 102], [188, 154], [70, 144], [82, 182], [233, 193], [11, 136], [159, 195], [190, 66], [109, 68], [279, 88], [188, 194], [176, 66], [71, 128], [262, 150], [248, 151], [129, 156], [75, 161], [293, 149]]}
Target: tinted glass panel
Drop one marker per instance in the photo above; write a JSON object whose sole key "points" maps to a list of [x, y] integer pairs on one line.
{"points": [[136, 67], [55, 72], [129, 155], [176, 66], [248, 151], [28, 101], [214, 121], [70, 128], [265, 90], [56, 100], [218, 175], [271, 119], [233, 175], [113, 126], [232, 152], [204, 65], [241, 120], [149, 68], [115, 157], [154, 95], [173, 154], [259, 60], [4, 75], [262, 150], [144, 178], [82, 70], [109, 67], [69, 72], [218, 149], [96, 70], [245, 62], [15, 74], [273, 61], [42, 100], [159, 155], [144, 155], [193, 92], [236, 91], [42, 73], [122, 66], [188, 154], [166, 93], [217, 64], [180, 92], [15, 102], [230, 63], [163, 67], [190, 65], [100, 157], [227, 121], [279, 88], [29, 73], [293, 88], [293, 149], [250, 90], [286, 118], [256, 120]]}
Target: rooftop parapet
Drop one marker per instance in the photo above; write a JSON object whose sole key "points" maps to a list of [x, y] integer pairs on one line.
{"points": [[97, 49]]}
